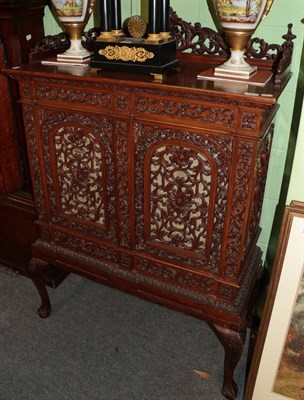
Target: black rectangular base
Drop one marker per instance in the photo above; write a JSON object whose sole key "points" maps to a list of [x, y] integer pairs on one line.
{"points": [[134, 55]]}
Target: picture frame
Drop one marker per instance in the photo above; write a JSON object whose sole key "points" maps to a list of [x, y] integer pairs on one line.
{"points": [[275, 372]]}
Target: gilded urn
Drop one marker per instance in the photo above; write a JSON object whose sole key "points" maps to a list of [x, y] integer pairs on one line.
{"points": [[239, 19], [74, 15]]}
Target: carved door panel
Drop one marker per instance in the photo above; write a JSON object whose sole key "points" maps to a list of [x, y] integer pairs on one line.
{"points": [[182, 182], [78, 163]]}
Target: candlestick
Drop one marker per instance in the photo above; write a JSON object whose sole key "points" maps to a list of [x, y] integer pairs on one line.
{"points": [[105, 15], [116, 14], [164, 18], [154, 16]]}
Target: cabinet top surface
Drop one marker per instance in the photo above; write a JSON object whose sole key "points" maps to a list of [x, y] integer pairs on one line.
{"points": [[184, 80]]}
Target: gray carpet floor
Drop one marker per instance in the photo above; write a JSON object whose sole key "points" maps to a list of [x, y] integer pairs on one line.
{"points": [[101, 344]]}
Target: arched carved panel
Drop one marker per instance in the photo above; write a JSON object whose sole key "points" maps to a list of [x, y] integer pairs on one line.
{"points": [[79, 164], [185, 178]]}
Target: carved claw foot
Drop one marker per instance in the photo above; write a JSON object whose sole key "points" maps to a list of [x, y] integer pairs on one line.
{"points": [[230, 389], [233, 343], [45, 309]]}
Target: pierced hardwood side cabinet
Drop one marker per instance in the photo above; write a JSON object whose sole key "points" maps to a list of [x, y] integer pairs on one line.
{"points": [[154, 188]]}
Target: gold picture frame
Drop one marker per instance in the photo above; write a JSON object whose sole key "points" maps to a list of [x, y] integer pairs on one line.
{"points": [[286, 289]]}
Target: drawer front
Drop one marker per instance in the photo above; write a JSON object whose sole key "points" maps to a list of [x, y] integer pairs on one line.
{"points": [[105, 98], [180, 110]]}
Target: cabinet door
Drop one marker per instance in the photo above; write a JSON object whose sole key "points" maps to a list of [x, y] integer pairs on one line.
{"points": [[78, 164], [182, 180]]}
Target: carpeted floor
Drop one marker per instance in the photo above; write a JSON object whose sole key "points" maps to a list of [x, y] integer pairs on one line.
{"points": [[101, 344]]}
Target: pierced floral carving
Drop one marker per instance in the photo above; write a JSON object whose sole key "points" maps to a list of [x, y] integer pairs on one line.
{"points": [[180, 182], [81, 186], [122, 103], [261, 174], [198, 224], [123, 183], [249, 121], [239, 205], [80, 172], [196, 38]]}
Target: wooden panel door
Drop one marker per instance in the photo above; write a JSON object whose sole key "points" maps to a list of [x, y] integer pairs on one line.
{"points": [[182, 183], [74, 172]]}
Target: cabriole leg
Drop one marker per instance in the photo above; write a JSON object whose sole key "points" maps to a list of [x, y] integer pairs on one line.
{"points": [[233, 343], [45, 309]]}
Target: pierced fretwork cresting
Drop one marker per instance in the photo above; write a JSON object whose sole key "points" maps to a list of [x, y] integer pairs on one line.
{"points": [[202, 40], [182, 205], [197, 39], [192, 37], [78, 157]]}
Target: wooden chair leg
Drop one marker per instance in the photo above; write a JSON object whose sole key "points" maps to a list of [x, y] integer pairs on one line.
{"points": [[45, 309], [233, 343]]}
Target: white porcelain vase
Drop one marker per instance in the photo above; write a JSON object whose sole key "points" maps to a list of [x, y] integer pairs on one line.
{"points": [[239, 19], [74, 15]]}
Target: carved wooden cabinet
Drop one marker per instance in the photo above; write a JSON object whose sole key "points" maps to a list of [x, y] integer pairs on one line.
{"points": [[154, 188]]}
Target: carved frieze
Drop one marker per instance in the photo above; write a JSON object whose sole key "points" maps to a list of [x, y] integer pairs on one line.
{"points": [[176, 275], [76, 83], [210, 100], [73, 95], [102, 98], [85, 246], [207, 113]]}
